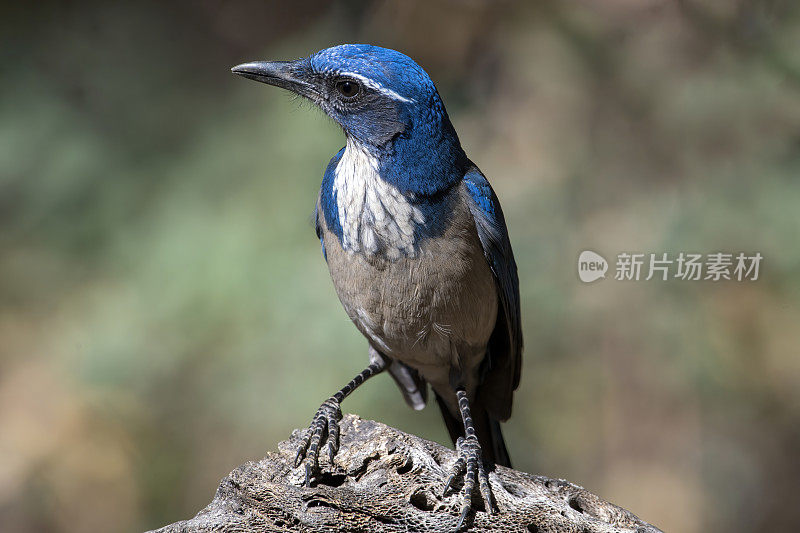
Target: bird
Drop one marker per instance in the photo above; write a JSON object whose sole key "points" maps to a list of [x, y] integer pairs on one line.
{"points": [[418, 250]]}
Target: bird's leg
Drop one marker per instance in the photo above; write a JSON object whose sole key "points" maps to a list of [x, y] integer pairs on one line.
{"points": [[469, 463], [326, 422]]}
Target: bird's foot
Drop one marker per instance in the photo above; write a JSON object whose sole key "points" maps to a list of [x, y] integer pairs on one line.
{"points": [[324, 424], [470, 465]]}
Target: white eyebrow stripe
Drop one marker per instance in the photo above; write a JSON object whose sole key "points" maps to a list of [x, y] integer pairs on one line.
{"points": [[372, 84]]}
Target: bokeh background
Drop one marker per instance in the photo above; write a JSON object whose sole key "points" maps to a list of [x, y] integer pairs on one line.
{"points": [[165, 314]]}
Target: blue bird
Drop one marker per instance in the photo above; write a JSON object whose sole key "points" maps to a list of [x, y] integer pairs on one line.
{"points": [[418, 251]]}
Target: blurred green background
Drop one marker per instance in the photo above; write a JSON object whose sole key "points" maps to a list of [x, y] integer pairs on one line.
{"points": [[165, 313]]}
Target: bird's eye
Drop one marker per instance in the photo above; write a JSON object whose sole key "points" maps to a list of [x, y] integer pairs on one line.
{"points": [[348, 88]]}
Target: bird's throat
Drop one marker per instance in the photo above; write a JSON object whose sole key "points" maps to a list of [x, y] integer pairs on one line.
{"points": [[375, 216]]}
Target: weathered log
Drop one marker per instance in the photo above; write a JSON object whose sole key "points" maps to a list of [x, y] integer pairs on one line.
{"points": [[384, 480]]}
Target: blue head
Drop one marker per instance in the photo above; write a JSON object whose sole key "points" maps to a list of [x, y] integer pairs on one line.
{"points": [[385, 102]]}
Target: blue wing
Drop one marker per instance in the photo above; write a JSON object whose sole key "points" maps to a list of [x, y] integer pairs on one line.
{"points": [[502, 371]]}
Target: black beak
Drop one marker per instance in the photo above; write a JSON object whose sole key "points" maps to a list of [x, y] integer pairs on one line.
{"points": [[284, 74]]}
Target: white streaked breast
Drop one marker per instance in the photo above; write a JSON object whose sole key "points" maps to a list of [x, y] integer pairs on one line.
{"points": [[374, 215]]}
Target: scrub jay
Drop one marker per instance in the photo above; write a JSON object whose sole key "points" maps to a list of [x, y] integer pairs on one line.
{"points": [[418, 251]]}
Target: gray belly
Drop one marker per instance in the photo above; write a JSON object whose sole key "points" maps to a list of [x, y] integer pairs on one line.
{"points": [[434, 312]]}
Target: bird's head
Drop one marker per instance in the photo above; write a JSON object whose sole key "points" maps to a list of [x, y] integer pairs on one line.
{"points": [[380, 97]]}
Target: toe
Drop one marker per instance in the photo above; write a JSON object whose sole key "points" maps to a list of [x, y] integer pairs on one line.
{"points": [[485, 488], [470, 464], [302, 448], [333, 438], [325, 424]]}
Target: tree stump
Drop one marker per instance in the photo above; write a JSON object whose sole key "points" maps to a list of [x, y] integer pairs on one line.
{"points": [[384, 480]]}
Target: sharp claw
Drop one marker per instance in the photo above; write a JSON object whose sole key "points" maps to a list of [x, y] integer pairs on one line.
{"points": [[447, 485], [463, 517]]}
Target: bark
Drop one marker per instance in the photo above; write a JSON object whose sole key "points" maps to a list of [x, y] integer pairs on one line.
{"points": [[384, 480]]}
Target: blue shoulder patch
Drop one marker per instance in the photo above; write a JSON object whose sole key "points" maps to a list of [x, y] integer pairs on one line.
{"points": [[481, 192]]}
